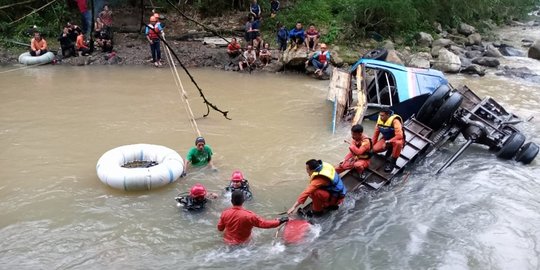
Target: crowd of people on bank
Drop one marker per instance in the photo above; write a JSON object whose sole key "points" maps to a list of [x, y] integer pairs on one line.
{"points": [[257, 53], [75, 40], [78, 41], [325, 189]]}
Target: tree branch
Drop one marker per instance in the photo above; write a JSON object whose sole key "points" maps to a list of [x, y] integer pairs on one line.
{"points": [[35, 10]]}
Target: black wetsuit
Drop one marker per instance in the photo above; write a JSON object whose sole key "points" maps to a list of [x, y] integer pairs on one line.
{"points": [[191, 204]]}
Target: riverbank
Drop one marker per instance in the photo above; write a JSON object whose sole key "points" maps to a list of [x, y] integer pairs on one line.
{"points": [[462, 49]]}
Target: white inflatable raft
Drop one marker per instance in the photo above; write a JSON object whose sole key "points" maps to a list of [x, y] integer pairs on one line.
{"points": [[27, 59], [110, 171]]}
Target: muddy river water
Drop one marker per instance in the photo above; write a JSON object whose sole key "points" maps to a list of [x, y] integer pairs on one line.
{"points": [[56, 121]]}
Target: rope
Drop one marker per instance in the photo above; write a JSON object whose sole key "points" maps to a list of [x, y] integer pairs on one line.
{"points": [[213, 31], [208, 103], [20, 68], [182, 91]]}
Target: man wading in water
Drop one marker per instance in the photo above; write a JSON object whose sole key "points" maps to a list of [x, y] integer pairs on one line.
{"points": [[199, 156], [238, 222]]}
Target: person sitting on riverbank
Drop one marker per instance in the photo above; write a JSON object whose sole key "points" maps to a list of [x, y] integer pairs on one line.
{"points": [[320, 59], [80, 45], [239, 183], [73, 31], [265, 56], [234, 49], [326, 189], [237, 222], [312, 37], [255, 9], [199, 156], [274, 8], [66, 44], [103, 36], [196, 199], [249, 58], [296, 35], [153, 31], [282, 37], [38, 45], [390, 125], [360, 151]]}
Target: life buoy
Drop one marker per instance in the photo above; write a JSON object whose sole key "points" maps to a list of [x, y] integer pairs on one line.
{"points": [[168, 169], [27, 59]]}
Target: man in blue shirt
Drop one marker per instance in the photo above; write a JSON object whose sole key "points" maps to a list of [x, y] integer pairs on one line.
{"points": [[296, 35]]}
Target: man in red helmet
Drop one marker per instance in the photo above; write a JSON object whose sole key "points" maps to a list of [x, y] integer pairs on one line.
{"points": [[238, 182], [238, 222], [197, 198]]}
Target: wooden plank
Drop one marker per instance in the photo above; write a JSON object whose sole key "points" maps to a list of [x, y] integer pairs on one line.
{"points": [[340, 80], [361, 106], [217, 41]]}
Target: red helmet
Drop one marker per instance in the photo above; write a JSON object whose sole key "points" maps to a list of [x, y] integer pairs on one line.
{"points": [[237, 176], [197, 191]]}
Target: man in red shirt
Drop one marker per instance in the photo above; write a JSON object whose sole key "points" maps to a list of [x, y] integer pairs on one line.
{"points": [[237, 222], [234, 48]]}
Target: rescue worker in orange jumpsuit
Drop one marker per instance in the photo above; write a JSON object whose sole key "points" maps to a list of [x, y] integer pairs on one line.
{"points": [[359, 152], [325, 188], [391, 127], [38, 45], [238, 222]]}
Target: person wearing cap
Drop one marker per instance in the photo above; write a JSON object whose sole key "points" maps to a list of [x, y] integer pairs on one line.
{"points": [[326, 189], [158, 18], [320, 59], [196, 199], [199, 156], [237, 222], [153, 32], [238, 182]]}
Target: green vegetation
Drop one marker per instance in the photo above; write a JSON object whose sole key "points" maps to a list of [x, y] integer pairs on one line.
{"points": [[345, 20], [341, 21], [16, 19]]}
